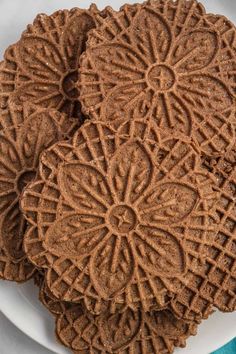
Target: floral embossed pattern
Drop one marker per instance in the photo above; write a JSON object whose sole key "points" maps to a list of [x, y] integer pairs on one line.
{"points": [[118, 172], [118, 215], [166, 60], [214, 282], [43, 66], [24, 134], [129, 332]]}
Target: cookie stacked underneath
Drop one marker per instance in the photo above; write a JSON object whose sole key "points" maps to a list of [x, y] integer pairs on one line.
{"points": [[118, 172]]}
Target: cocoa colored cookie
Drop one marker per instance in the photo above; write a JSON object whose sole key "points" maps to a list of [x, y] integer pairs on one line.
{"points": [[140, 332], [43, 66], [25, 131], [128, 332], [55, 306], [118, 216], [213, 283], [167, 60], [82, 332]]}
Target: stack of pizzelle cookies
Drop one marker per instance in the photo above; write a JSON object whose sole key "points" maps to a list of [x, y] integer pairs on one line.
{"points": [[118, 172]]}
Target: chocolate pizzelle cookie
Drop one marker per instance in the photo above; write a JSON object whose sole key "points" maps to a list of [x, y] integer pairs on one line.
{"points": [[43, 66], [118, 216], [128, 332], [168, 60], [25, 131], [213, 283], [118, 172]]}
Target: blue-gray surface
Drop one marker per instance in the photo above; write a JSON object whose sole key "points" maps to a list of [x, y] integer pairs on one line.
{"points": [[228, 348]]}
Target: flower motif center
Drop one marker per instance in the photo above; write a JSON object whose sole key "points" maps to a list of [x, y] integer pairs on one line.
{"points": [[161, 77], [122, 218], [68, 85], [24, 178]]}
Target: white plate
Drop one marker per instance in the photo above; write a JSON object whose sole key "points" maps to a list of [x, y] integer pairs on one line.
{"points": [[19, 302]]}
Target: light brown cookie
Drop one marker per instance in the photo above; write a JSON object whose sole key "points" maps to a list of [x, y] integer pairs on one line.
{"points": [[118, 216], [129, 332], [167, 60], [157, 332], [213, 283], [55, 306], [43, 66], [82, 332], [25, 131]]}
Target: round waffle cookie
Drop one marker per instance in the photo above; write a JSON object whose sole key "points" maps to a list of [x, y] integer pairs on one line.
{"points": [[213, 283], [118, 217], [128, 332], [24, 133], [167, 60], [43, 66]]}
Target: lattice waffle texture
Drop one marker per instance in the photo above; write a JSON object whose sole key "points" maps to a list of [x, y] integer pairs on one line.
{"points": [[214, 282], [126, 333], [118, 216], [168, 60], [42, 67], [25, 131]]}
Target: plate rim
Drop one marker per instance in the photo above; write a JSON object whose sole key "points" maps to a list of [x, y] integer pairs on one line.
{"points": [[12, 290]]}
